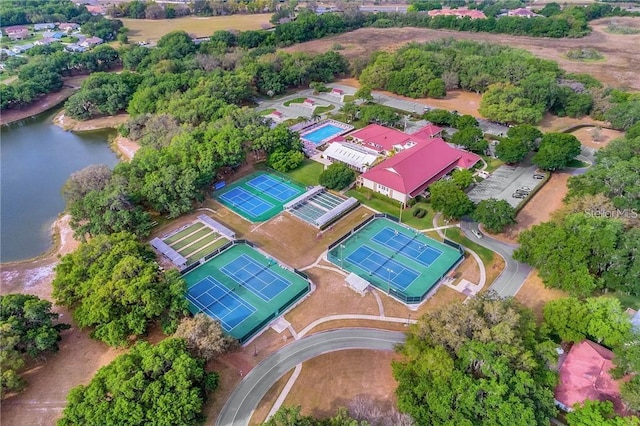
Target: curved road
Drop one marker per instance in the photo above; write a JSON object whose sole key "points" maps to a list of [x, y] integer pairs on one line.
{"points": [[247, 395], [514, 273]]}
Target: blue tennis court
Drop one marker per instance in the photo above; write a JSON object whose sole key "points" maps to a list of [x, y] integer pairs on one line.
{"points": [[383, 267], [247, 202], [273, 187], [407, 246], [258, 278], [214, 299], [323, 133]]}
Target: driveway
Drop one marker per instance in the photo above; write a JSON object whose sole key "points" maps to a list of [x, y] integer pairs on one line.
{"points": [[514, 273], [247, 395]]}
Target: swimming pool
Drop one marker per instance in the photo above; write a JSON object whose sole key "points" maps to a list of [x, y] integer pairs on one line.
{"points": [[322, 134]]}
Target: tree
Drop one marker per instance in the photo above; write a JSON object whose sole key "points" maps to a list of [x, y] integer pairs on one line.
{"points": [[205, 337], [598, 413], [526, 133], [462, 178], [556, 151], [571, 253], [80, 183], [292, 416], [506, 103], [161, 384], [364, 93], [511, 150], [27, 329], [113, 284], [494, 214], [337, 176], [630, 392], [470, 138], [441, 116], [478, 362], [283, 161], [465, 121], [600, 319], [447, 198]]}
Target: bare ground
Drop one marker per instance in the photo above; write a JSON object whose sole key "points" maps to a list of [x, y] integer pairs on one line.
{"points": [[67, 123], [586, 136], [619, 69], [535, 295]]}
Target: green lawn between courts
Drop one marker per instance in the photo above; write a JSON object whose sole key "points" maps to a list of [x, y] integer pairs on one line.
{"points": [[308, 173]]}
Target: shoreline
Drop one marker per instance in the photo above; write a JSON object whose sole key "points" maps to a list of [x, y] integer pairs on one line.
{"points": [[101, 123]]}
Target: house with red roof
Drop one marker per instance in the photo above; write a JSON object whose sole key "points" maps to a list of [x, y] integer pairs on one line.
{"points": [[409, 172], [460, 13], [584, 375], [522, 12], [68, 26]]}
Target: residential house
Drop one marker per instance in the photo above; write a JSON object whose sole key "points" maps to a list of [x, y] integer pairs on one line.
{"points": [[7, 52], [45, 41], [584, 375], [52, 34], [357, 157], [90, 42], [96, 9], [522, 12], [460, 13], [21, 48], [15, 29], [75, 48], [409, 172], [68, 26], [43, 27], [19, 35]]}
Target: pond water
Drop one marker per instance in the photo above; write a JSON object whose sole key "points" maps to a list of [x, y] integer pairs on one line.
{"points": [[36, 158]]}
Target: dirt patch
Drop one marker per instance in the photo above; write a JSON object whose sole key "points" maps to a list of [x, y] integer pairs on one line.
{"points": [[539, 209], [333, 380], [553, 123], [127, 148], [596, 137], [67, 123], [535, 295], [618, 70]]}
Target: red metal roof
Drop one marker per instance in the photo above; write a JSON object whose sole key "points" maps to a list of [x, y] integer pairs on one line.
{"points": [[427, 132], [584, 374], [380, 138], [412, 170]]}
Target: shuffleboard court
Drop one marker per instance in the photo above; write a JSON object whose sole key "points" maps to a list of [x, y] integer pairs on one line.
{"points": [[260, 196], [244, 289], [397, 259], [407, 246]]}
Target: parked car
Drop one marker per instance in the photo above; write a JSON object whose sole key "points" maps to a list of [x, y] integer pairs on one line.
{"points": [[518, 195], [478, 234], [525, 188], [521, 192], [538, 176]]}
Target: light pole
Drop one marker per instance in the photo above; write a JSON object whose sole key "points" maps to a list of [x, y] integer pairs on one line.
{"points": [[401, 206]]}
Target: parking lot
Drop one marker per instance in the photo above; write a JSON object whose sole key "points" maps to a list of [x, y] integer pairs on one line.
{"points": [[504, 182]]}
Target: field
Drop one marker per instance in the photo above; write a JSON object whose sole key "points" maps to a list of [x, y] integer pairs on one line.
{"points": [[618, 70], [152, 30]]}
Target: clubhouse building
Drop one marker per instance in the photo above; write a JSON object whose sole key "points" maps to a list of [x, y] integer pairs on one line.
{"points": [[406, 164]]}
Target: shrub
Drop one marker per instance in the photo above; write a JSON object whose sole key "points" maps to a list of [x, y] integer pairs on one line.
{"points": [[419, 212]]}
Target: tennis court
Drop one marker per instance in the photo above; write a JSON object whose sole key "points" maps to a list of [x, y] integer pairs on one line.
{"points": [[260, 196], [398, 260], [244, 289]]}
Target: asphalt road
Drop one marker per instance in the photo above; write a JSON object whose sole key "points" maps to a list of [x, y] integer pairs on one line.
{"points": [[247, 395], [514, 274]]}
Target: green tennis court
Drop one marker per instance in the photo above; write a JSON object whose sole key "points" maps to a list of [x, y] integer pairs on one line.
{"points": [[260, 196], [243, 289], [398, 260]]}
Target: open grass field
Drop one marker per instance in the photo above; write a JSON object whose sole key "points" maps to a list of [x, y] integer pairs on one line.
{"points": [[308, 173], [152, 30], [620, 50]]}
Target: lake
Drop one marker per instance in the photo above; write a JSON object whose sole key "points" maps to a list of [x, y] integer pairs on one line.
{"points": [[36, 158]]}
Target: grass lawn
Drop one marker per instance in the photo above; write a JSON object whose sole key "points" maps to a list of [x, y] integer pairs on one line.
{"points": [[294, 101], [577, 164], [626, 300], [386, 205], [152, 30], [308, 173], [267, 111], [323, 109], [348, 98], [456, 235], [492, 163]]}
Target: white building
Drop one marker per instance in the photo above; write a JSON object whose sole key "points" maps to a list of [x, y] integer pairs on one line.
{"points": [[357, 157]]}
